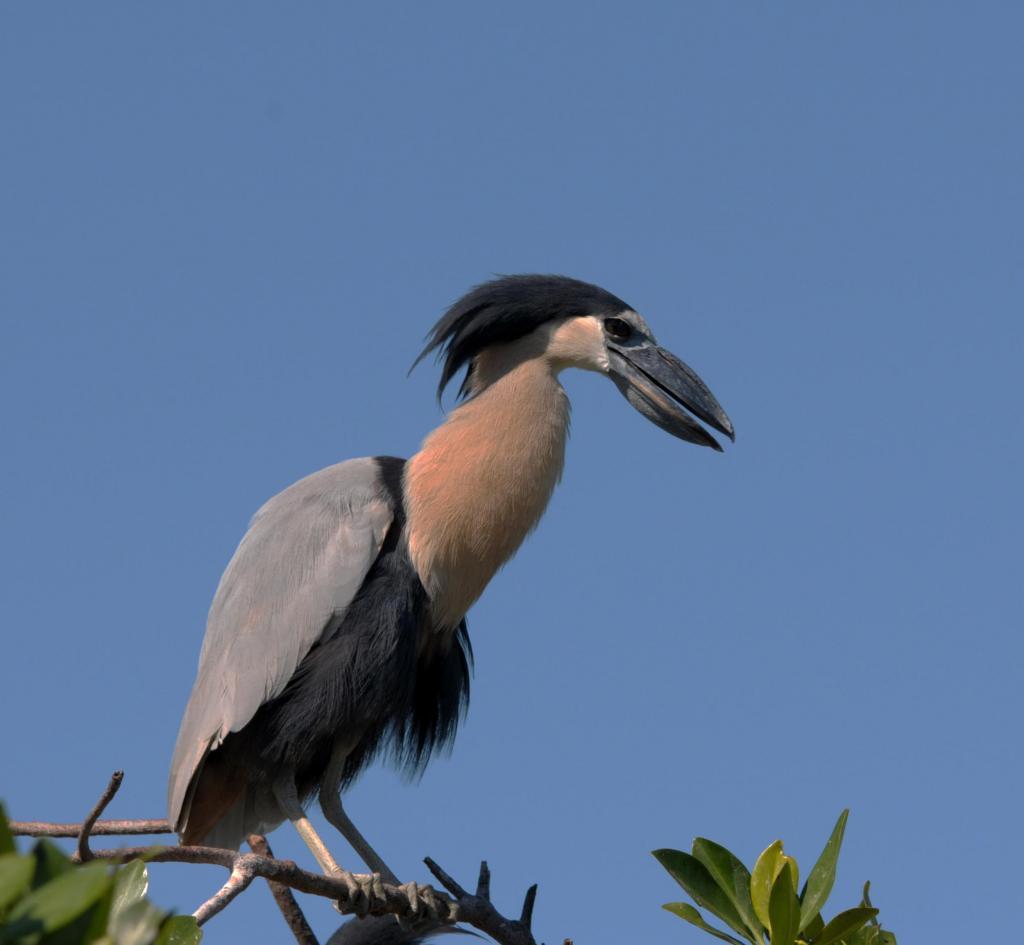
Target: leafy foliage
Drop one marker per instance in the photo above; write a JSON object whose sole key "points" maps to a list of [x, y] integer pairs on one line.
{"points": [[763, 904], [45, 899]]}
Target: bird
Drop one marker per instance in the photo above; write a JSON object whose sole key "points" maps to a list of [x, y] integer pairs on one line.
{"points": [[338, 630]]}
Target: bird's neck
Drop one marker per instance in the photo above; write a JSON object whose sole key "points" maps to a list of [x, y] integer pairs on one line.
{"points": [[483, 479]]}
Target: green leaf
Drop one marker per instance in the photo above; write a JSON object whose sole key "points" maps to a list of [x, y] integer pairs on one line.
{"points": [[15, 877], [7, 844], [796, 871], [732, 877], [51, 862], [693, 876], [873, 934], [179, 930], [866, 935], [136, 924], [823, 875], [130, 885], [814, 927], [59, 902], [784, 908], [844, 925], [88, 928], [765, 870], [685, 911]]}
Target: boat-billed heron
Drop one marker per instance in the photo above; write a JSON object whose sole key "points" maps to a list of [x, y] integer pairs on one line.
{"points": [[338, 631]]}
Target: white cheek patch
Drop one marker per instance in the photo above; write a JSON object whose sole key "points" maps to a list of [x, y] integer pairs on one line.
{"points": [[578, 342]]}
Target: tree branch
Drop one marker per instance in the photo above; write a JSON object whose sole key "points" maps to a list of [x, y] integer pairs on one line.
{"points": [[479, 911], [242, 875], [283, 897], [82, 851], [406, 902], [102, 828]]}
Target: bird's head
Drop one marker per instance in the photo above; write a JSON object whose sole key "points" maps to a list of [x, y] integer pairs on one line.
{"points": [[576, 324]]}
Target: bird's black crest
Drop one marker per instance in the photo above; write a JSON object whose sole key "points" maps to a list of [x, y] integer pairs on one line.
{"points": [[505, 309]]}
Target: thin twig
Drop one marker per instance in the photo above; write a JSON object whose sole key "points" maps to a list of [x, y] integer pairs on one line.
{"points": [[242, 875], [445, 880], [531, 897], [483, 884], [102, 828], [82, 852], [286, 902]]}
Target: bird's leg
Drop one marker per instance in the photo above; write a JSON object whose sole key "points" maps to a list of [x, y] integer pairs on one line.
{"points": [[288, 797], [330, 803], [426, 907], [336, 816], [362, 891]]}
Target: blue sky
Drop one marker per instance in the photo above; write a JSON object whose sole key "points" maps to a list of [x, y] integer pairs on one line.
{"points": [[226, 230]]}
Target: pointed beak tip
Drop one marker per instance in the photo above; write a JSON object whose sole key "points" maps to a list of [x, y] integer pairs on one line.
{"points": [[725, 427], [721, 422]]}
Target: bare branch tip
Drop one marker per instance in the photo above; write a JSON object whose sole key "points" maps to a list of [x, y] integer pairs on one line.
{"points": [[483, 883], [82, 851], [445, 880], [531, 897], [242, 875]]}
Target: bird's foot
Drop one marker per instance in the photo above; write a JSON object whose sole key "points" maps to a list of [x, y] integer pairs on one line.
{"points": [[365, 894], [424, 907]]}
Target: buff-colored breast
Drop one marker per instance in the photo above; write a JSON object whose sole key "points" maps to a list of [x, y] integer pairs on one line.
{"points": [[481, 483]]}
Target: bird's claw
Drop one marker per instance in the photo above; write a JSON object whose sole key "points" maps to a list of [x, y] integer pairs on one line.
{"points": [[365, 894], [423, 905], [434, 907]]}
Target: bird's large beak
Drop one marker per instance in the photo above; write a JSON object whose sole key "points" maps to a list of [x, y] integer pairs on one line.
{"points": [[656, 382]]}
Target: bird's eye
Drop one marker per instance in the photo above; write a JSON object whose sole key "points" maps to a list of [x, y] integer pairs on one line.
{"points": [[617, 328]]}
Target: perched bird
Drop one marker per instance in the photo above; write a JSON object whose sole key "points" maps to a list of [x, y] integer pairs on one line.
{"points": [[338, 630]]}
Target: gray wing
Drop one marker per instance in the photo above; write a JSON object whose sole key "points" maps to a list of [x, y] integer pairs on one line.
{"points": [[295, 572]]}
